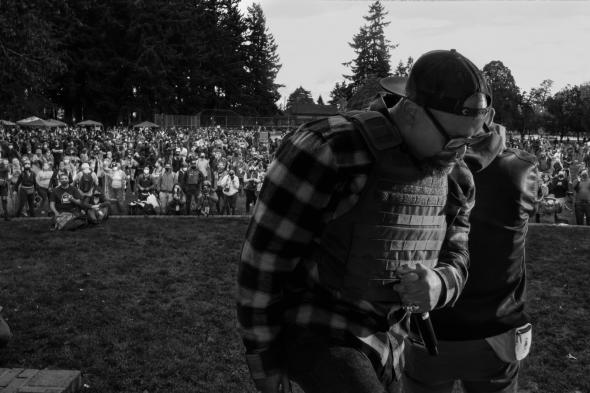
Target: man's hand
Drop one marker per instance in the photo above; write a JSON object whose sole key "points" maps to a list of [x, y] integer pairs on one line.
{"points": [[278, 383], [420, 287]]}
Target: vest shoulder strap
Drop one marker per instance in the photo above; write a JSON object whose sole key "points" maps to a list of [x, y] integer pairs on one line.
{"points": [[379, 133]]}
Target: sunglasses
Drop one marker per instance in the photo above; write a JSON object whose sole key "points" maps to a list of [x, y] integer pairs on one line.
{"points": [[455, 143]]}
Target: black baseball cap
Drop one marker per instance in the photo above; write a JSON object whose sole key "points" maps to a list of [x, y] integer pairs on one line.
{"points": [[443, 80]]}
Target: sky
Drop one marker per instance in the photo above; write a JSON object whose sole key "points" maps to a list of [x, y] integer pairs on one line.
{"points": [[536, 40]]}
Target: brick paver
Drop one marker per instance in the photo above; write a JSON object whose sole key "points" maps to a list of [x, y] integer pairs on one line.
{"points": [[19, 380]]}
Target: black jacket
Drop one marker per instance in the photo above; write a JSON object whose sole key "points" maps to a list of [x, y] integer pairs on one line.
{"points": [[494, 297]]}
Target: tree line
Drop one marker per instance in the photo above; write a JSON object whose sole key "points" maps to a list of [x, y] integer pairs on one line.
{"points": [[124, 60], [566, 111]]}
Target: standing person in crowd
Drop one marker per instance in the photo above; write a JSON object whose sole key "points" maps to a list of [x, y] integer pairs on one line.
{"points": [[582, 199], [208, 199], [348, 205], [43, 180], [204, 167], [86, 181], [191, 184], [230, 185], [157, 173], [165, 185], [176, 160], [4, 182], [559, 187], [486, 334], [117, 180], [251, 181], [26, 185], [219, 174]]}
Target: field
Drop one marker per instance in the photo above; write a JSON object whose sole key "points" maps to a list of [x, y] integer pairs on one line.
{"points": [[147, 304]]}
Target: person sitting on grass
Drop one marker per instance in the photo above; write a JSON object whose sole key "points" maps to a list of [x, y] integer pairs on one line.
{"points": [[145, 184], [99, 208], [65, 202]]}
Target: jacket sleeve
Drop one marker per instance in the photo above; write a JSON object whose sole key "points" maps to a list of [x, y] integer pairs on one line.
{"points": [[453, 261]]}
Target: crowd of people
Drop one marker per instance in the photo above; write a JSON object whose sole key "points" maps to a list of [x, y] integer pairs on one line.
{"points": [[564, 165], [200, 171]]}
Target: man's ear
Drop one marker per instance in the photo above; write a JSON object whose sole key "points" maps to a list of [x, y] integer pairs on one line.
{"points": [[490, 116]]}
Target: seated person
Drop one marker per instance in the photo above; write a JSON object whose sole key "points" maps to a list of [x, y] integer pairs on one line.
{"points": [[177, 201], [99, 208], [207, 200], [65, 202], [145, 184]]}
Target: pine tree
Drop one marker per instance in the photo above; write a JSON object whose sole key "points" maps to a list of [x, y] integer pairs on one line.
{"points": [[299, 96], [371, 47], [262, 64], [404, 69], [320, 100]]}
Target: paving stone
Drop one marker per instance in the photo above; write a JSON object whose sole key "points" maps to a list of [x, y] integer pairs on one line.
{"points": [[8, 375], [19, 380]]}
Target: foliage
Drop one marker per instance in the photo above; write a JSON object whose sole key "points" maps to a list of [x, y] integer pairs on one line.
{"points": [[29, 56], [262, 63], [404, 69], [371, 48], [568, 109], [298, 96], [320, 100], [108, 60], [506, 95]]}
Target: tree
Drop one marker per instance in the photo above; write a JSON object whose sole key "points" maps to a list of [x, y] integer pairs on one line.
{"points": [[568, 110], [506, 95], [404, 69], [320, 100], [29, 56], [533, 107], [371, 47], [262, 65], [341, 93], [298, 96]]}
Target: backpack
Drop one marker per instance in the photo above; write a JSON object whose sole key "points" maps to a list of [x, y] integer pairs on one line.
{"points": [[86, 182]]}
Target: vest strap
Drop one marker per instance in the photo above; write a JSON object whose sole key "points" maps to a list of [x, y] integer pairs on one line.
{"points": [[379, 133]]}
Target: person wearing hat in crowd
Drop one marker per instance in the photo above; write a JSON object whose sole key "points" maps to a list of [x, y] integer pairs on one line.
{"points": [[486, 334], [86, 181], [165, 185], [99, 208], [26, 186], [356, 227]]}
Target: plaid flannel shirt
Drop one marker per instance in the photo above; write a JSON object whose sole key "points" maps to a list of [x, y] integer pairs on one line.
{"points": [[317, 175]]}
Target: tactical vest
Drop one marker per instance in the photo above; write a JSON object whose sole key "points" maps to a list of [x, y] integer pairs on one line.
{"points": [[398, 220], [193, 177]]}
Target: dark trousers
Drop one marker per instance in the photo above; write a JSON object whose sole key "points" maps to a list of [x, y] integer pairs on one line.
{"points": [[44, 194], [250, 199], [26, 198], [582, 212], [229, 204], [320, 364], [473, 362], [190, 192]]}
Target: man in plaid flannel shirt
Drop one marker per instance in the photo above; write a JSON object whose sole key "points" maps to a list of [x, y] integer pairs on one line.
{"points": [[357, 226]]}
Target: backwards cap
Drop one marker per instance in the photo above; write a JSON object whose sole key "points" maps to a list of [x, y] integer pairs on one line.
{"points": [[443, 80]]}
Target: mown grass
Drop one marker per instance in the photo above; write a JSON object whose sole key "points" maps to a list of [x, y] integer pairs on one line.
{"points": [[147, 304]]}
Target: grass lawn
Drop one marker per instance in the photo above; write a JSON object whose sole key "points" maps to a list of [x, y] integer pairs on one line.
{"points": [[147, 304]]}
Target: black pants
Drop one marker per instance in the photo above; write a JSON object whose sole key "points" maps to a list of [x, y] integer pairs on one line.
{"points": [[28, 198], [250, 199], [191, 191]]}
